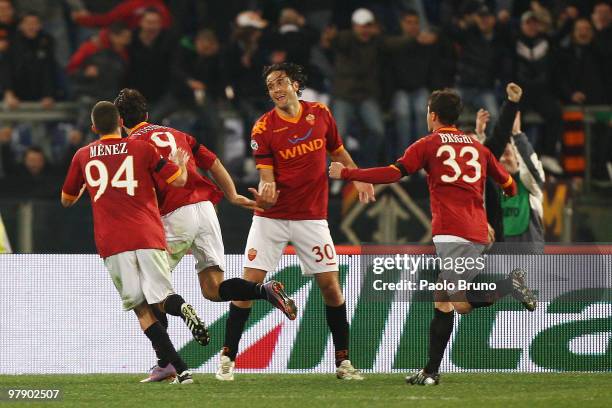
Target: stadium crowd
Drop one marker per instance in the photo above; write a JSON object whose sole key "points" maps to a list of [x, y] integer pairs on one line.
{"points": [[374, 62]]}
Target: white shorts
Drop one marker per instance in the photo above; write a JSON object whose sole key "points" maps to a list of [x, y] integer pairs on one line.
{"points": [[313, 244], [195, 227], [140, 275]]}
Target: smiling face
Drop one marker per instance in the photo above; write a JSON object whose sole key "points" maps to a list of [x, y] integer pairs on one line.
{"points": [[30, 26], [281, 89], [509, 159]]}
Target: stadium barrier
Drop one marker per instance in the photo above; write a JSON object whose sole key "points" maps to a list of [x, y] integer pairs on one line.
{"points": [[61, 314]]}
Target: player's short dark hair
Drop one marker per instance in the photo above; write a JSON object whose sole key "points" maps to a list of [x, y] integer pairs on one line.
{"points": [[154, 10], [446, 103], [409, 12], [34, 149], [28, 13], [105, 117], [118, 28], [132, 107], [295, 72]]}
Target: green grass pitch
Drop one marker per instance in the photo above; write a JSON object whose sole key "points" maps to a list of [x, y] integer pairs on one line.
{"points": [[388, 390]]}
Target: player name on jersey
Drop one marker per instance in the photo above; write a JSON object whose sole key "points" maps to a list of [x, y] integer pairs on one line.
{"points": [[454, 138], [107, 150]]}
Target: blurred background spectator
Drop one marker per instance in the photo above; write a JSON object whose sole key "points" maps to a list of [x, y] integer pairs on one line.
{"points": [[150, 56], [411, 69], [534, 62], [34, 172], [32, 65], [98, 69], [580, 64], [197, 86]]}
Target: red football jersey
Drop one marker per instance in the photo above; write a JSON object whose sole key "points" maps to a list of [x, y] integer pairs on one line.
{"points": [[118, 174], [457, 166], [297, 151], [198, 188]]}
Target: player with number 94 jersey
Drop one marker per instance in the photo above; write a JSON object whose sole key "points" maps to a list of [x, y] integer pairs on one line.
{"points": [[119, 176]]}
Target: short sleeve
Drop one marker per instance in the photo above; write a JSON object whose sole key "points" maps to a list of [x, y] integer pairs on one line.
{"points": [[203, 157], [332, 138], [264, 158], [74, 180], [414, 158]]}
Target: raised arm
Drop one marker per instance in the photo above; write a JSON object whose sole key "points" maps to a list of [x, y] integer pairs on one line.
{"points": [[503, 128]]}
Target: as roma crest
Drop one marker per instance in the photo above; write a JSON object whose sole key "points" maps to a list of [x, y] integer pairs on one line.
{"points": [[310, 118], [252, 254]]}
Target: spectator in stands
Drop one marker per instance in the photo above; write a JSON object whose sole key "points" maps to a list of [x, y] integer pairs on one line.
{"points": [[580, 67], [98, 69], [482, 44], [35, 172], [602, 21], [53, 16], [523, 213], [8, 24], [128, 11], [533, 70], [32, 65], [150, 55], [357, 83], [411, 67], [197, 86], [244, 61], [292, 42], [7, 153]]}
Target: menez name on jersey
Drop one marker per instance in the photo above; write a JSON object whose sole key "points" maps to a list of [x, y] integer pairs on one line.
{"points": [[106, 150]]}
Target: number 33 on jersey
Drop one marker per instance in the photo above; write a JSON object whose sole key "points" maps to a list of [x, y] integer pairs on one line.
{"points": [[457, 166], [118, 174]]}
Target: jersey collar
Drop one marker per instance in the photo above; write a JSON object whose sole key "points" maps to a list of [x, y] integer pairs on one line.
{"points": [[446, 128], [106, 137], [138, 126], [290, 119]]}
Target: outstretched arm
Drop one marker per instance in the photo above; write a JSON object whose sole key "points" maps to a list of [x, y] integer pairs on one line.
{"points": [[225, 182], [375, 175]]}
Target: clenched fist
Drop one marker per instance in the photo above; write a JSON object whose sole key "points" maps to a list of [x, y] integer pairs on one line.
{"points": [[514, 92]]}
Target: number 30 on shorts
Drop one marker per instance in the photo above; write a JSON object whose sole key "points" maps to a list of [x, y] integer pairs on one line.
{"points": [[327, 252]]}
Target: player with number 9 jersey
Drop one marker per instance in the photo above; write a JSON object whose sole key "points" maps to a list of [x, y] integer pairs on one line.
{"points": [[198, 188], [119, 175]]}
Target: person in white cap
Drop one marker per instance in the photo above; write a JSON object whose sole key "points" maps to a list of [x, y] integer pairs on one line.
{"points": [[357, 80]]}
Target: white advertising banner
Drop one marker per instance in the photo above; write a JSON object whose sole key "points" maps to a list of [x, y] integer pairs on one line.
{"points": [[62, 314]]}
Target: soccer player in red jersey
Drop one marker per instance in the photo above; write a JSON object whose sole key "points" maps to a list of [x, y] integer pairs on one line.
{"points": [[189, 216], [119, 176], [457, 166], [290, 144]]}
